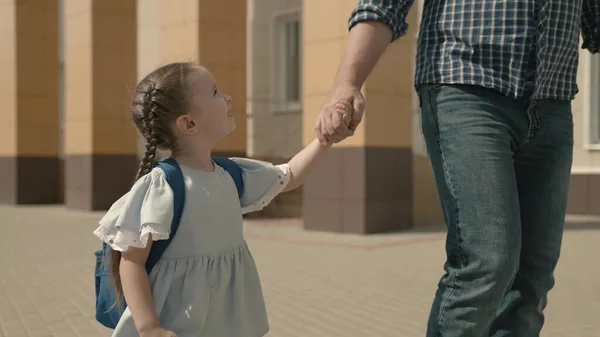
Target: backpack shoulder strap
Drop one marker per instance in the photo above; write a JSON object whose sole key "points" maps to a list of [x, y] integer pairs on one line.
{"points": [[175, 179], [234, 170]]}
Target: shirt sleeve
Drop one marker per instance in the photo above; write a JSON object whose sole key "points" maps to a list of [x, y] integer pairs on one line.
{"points": [[590, 25], [262, 182], [146, 209], [390, 12]]}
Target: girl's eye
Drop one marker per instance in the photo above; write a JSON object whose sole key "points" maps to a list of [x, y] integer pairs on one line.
{"points": [[215, 92]]}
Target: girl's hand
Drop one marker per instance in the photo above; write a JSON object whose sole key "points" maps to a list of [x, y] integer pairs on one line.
{"points": [[157, 332], [340, 115]]}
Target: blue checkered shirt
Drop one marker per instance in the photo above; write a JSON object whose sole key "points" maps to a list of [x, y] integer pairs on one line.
{"points": [[511, 46]]}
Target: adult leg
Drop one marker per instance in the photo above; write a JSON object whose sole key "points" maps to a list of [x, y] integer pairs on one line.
{"points": [[470, 133], [543, 169]]}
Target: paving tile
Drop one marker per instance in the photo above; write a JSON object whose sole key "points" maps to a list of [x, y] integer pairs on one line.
{"points": [[315, 284]]}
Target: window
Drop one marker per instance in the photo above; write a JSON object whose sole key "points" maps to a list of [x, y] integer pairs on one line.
{"points": [[292, 62], [286, 86], [593, 97]]}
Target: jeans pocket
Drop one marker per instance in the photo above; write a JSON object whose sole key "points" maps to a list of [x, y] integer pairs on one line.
{"points": [[429, 123]]}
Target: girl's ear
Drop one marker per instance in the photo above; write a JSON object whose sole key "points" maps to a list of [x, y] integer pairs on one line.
{"points": [[186, 124]]}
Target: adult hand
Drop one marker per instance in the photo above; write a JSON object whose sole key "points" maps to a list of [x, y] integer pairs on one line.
{"points": [[340, 115]]}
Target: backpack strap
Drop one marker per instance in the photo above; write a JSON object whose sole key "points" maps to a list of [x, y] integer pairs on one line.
{"points": [[234, 170], [175, 179]]}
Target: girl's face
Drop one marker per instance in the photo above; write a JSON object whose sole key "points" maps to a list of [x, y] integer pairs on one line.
{"points": [[209, 109]]}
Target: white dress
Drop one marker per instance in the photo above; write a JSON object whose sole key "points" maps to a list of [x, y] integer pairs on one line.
{"points": [[206, 283]]}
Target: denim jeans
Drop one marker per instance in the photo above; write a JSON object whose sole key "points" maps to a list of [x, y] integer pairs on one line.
{"points": [[502, 168]]}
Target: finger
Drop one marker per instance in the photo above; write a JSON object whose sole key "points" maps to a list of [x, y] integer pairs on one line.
{"points": [[341, 126], [359, 107], [347, 120], [344, 106], [319, 133], [345, 117], [344, 109], [325, 132], [337, 128], [332, 136]]}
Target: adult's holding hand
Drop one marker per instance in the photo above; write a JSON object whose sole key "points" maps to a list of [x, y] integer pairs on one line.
{"points": [[366, 43], [340, 115]]}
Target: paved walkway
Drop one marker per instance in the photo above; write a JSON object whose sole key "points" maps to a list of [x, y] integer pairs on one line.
{"points": [[315, 284]]}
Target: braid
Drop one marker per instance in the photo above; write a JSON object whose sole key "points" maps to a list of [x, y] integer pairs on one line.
{"points": [[149, 132], [158, 100]]}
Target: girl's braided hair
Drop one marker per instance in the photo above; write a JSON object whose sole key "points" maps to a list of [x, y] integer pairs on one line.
{"points": [[158, 100]]}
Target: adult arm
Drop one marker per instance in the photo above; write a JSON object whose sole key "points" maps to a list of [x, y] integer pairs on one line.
{"points": [[373, 25], [590, 25]]}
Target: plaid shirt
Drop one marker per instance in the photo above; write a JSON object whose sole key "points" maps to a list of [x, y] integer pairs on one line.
{"points": [[510, 46]]}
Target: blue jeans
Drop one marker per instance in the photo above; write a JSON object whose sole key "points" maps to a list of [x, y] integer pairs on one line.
{"points": [[502, 168]]}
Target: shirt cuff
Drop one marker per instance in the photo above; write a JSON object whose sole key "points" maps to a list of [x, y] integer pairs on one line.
{"points": [[591, 41], [393, 18]]}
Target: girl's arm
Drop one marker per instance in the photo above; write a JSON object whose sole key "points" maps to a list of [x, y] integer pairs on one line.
{"points": [[136, 287], [302, 164]]}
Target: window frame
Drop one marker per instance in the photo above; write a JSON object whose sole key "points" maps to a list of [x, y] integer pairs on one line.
{"points": [[279, 103]]}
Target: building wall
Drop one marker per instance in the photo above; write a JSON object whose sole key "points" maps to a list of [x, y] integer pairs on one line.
{"points": [[584, 197], [426, 205], [586, 155], [29, 64], [148, 47], [274, 128]]}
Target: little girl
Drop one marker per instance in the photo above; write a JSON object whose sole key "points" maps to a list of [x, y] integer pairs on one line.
{"points": [[206, 282]]}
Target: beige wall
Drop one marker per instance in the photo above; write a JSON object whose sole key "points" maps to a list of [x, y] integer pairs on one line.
{"points": [[78, 77], [426, 205], [273, 131], [100, 66], [148, 46], [190, 31], [28, 89], [8, 88], [279, 133], [586, 156], [324, 45], [388, 90]]}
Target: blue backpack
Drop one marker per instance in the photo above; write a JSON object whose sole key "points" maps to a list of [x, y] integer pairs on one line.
{"points": [[107, 313]]}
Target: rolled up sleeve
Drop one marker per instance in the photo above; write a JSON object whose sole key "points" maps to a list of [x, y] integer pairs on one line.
{"points": [[590, 25], [390, 12]]}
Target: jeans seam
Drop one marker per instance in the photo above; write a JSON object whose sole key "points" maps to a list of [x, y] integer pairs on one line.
{"points": [[456, 225], [534, 123], [456, 220]]}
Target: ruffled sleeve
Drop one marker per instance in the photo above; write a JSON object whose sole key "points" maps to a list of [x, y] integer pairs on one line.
{"points": [[262, 182], [146, 209]]}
